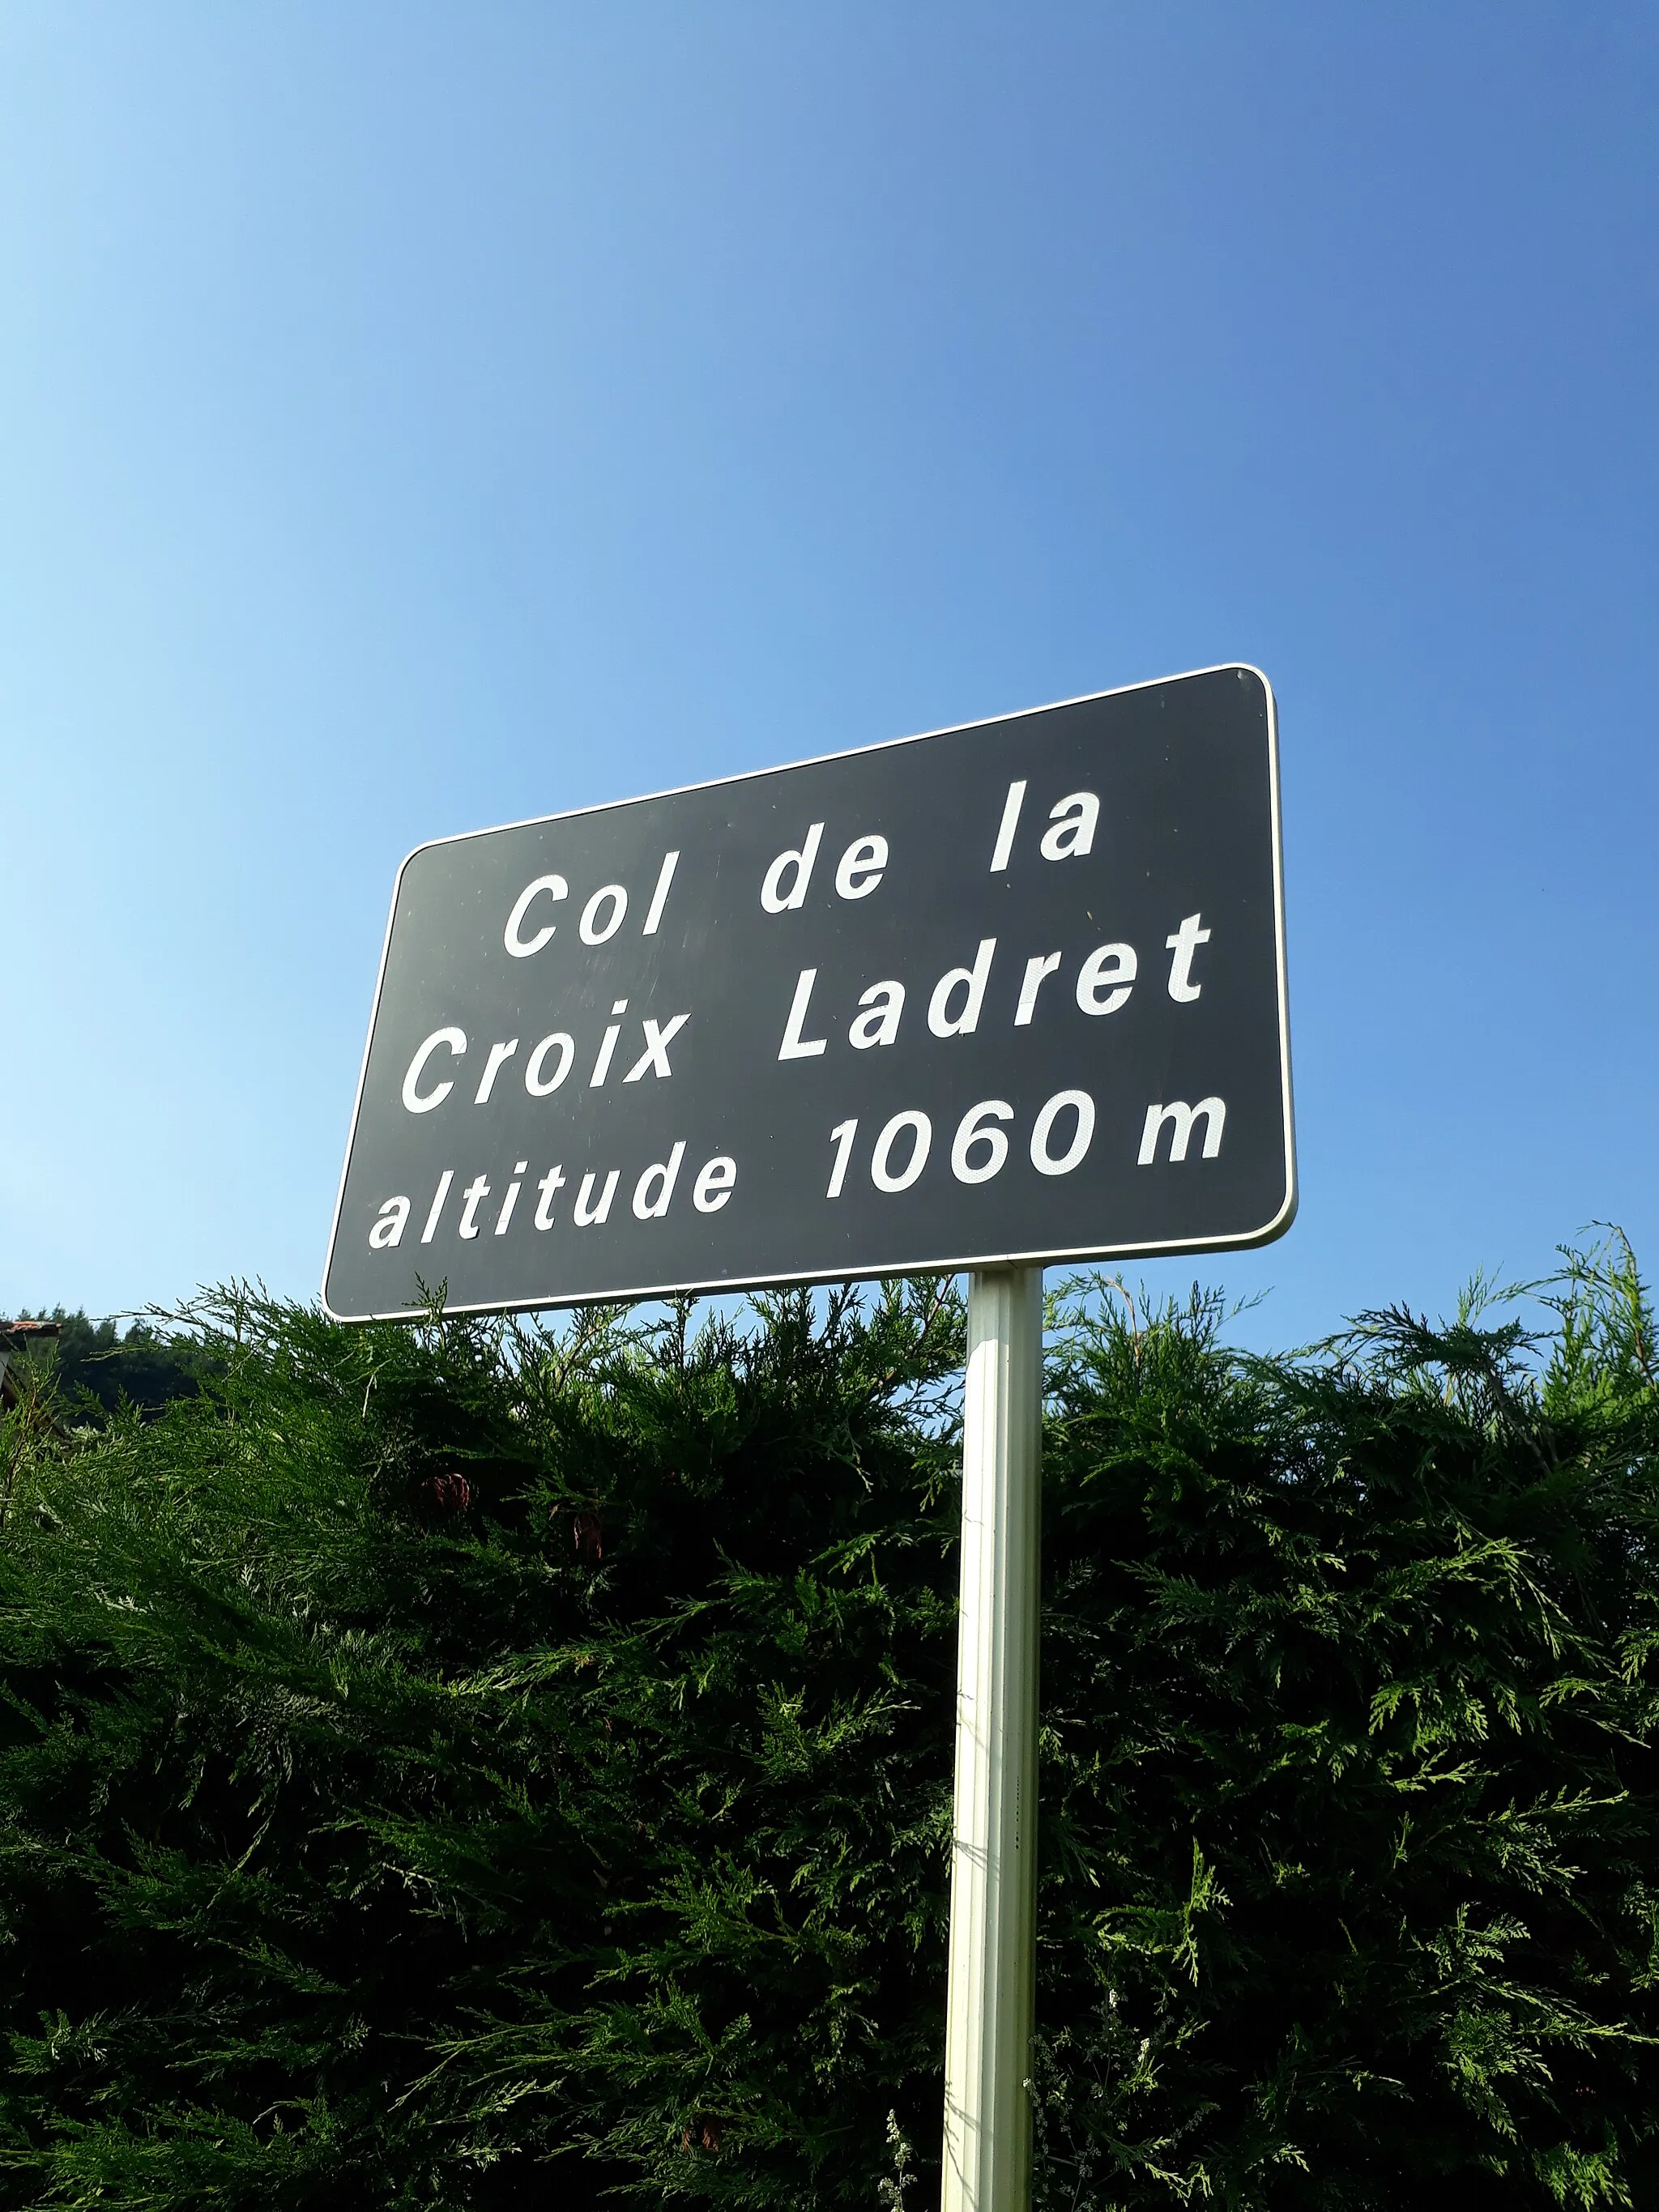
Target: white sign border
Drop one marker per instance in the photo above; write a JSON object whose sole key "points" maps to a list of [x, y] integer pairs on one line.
{"points": [[1243, 1240]]}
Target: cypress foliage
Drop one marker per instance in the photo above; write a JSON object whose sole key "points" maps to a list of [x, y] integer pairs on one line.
{"points": [[1352, 1868], [427, 1751], [442, 1767]]}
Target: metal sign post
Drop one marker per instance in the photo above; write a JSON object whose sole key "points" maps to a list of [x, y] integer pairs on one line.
{"points": [[979, 1000], [992, 1988]]}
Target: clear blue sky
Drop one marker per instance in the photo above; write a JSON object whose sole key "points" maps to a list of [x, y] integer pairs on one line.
{"points": [[417, 417]]}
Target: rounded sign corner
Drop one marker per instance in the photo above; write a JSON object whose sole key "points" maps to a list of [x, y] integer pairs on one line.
{"points": [[1282, 1221], [1258, 676], [331, 1312]]}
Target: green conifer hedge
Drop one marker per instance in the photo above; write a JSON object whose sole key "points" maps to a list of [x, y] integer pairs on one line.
{"points": [[454, 1766]]}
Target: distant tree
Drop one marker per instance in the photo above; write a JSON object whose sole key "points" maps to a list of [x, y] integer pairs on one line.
{"points": [[447, 1767], [97, 1366]]}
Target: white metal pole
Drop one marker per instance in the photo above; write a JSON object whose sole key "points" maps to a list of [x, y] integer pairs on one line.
{"points": [[992, 1991]]}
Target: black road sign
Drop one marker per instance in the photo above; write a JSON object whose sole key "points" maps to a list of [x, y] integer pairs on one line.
{"points": [[1014, 991]]}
